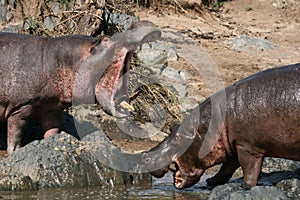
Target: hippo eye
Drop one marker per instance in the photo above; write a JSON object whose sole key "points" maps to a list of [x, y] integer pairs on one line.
{"points": [[105, 40]]}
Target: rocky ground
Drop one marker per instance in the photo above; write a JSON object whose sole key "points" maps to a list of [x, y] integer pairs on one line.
{"points": [[276, 21]]}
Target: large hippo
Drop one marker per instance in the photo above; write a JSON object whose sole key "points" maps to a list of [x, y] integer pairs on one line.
{"points": [[41, 76], [256, 117]]}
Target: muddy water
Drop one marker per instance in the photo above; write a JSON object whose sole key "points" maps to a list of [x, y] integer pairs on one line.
{"points": [[160, 189]]}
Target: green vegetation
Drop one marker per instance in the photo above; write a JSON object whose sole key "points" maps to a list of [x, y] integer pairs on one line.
{"points": [[249, 8], [216, 5]]}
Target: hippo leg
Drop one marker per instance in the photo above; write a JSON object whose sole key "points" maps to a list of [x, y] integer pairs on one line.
{"points": [[251, 162], [225, 173], [51, 122], [15, 122]]}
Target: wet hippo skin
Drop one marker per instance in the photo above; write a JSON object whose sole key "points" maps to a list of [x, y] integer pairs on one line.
{"points": [[41, 76], [255, 117]]}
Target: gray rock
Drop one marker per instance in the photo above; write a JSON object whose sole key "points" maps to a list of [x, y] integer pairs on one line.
{"points": [[287, 183], [279, 164], [223, 191], [157, 54], [62, 161], [234, 191], [175, 79], [188, 103], [291, 187], [5, 11], [95, 137], [123, 21], [175, 75], [12, 28], [249, 44], [56, 7], [50, 22]]}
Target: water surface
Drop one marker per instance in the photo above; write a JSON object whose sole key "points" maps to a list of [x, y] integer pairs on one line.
{"points": [[162, 189]]}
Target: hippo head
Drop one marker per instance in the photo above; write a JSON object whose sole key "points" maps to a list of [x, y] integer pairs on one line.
{"points": [[179, 148], [110, 90], [183, 148]]}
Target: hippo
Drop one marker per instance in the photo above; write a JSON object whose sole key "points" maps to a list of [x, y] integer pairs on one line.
{"points": [[42, 76], [256, 117]]}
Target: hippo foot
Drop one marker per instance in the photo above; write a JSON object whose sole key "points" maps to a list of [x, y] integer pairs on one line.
{"points": [[12, 148], [212, 182], [245, 186]]}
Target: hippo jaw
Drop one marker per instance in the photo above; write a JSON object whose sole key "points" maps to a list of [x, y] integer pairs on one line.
{"points": [[112, 84], [186, 178], [181, 178], [188, 166]]}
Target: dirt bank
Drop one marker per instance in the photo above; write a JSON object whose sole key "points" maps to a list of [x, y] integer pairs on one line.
{"points": [[275, 21]]}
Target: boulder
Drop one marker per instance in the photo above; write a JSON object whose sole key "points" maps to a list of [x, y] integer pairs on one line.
{"points": [[62, 161], [234, 191], [249, 44]]}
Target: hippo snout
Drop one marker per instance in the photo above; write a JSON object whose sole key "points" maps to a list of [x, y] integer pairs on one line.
{"points": [[141, 35], [131, 39]]}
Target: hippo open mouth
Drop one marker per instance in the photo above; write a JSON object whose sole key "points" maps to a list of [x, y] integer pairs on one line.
{"points": [[186, 178], [111, 90], [182, 177], [114, 82]]}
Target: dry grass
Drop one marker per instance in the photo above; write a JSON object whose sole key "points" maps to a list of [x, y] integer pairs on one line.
{"points": [[152, 101]]}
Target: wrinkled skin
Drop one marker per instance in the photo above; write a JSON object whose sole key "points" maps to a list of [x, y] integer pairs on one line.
{"points": [[40, 77], [262, 118]]}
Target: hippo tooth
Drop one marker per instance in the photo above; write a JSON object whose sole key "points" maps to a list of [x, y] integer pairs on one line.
{"points": [[127, 106], [177, 185], [179, 179]]}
